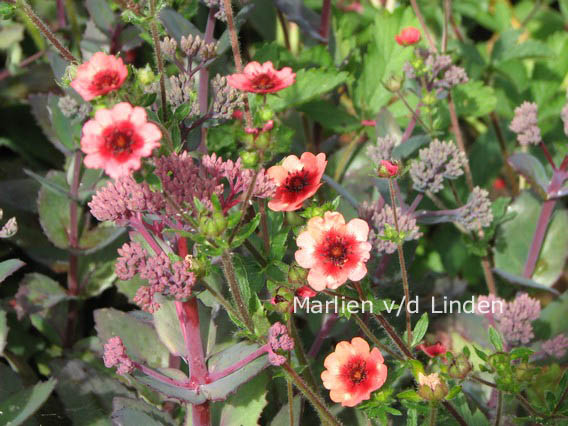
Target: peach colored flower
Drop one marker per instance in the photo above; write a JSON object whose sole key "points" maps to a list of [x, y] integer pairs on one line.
{"points": [[408, 36], [99, 75], [333, 250], [116, 139], [263, 78], [353, 371], [297, 179]]}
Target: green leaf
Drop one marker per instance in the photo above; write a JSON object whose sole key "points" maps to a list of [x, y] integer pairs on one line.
{"points": [[18, 408], [182, 112], [310, 84], [132, 412], [181, 393], [474, 99], [8, 267], [531, 168], [168, 327], [282, 418], [330, 116], [514, 238], [38, 292], [141, 340], [53, 209], [506, 48], [245, 407], [3, 330], [220, 389], [176, 25], [102, 15], [409, 395], [420, 329], [453, 392], [496, 339], [68, 132], [246, 231]]}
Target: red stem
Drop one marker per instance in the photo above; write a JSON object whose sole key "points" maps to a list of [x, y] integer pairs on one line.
{"points": [[325, 20], [158, 376], [240, 364], [547, 155]]}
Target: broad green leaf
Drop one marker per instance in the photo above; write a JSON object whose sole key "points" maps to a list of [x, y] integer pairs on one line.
{"points": [[8, 267], [531, 168], [514, 238], [11, 34], [19, 407], [168, 327], [176, 25], [38, 292], [507, 48], [330, 116], [102, 14], [181, 393], [68, 132], [473, 99], [86, 393], [141, 340], [310, 84], [245, 407], [220, 389], [282, 418], [53, 209], [136, 412]]}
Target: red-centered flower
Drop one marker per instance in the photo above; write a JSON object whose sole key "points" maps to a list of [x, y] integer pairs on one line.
{"points": [[263, 78], [333, 251], [433, 350], [388, 169], [297, 179], [116, 139], [408, 36], [353, 371], [99, 75]]}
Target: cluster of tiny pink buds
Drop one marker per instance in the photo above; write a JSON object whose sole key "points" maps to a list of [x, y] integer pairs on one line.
{"points": [[220, 5], [115, 355], [513, 319], [477, 212], [383, 220], [173, 279], [382, 150], [525, 124], [453, 76], [225, 100], [438, 161], [556, 347], [278, 339]]}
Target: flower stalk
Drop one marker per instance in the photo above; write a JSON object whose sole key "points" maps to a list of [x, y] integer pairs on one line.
{"points": [[158, 57]]}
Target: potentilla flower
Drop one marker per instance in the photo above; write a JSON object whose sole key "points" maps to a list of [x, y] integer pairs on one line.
{"points": [[99, 75], [433, 350], [115, 355], [525, 124], [117, 139], [353, 371], [297, 179], [408, 36], [263, 78], [333, 251]]}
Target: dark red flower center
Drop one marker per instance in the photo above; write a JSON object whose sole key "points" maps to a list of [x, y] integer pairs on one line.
{"points": [[121, 140], [263, 82], [105, 80], [357, 371], [297, 182], [336, 250]]}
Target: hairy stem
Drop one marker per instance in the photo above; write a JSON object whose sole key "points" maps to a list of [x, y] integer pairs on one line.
{"points": [[236, 291], [423, 25], [204, 81], [326, 327], [393, 335], [159, 58], [454, 413], [63, 51], [402, 265], [367, 332], [433, 414], [290, 392], [301, 353], [323, 411], [236, 52]]}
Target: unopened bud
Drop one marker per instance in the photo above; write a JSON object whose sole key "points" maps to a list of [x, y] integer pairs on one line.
{"points": [[431, 387], [250, 159]]}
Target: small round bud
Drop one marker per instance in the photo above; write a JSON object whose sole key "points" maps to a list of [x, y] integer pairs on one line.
{"points": [[394, 83], [429, 99], [145, 76], [266, 114], [69, 75], [262, 141], [388, 169], [431, 387], [250, 159], [7, 11], [459, 367]]}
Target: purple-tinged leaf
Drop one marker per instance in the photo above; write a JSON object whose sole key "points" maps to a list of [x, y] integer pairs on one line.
{"points": [[297, 12], [531, 168], [176, 25], [426, 217], [181, 393], [8, 267], [526, 282]]}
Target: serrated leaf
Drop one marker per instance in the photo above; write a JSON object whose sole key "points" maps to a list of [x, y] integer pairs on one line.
{"points": [[474, 99], [453, 392], [409, 395], [496, 339]]}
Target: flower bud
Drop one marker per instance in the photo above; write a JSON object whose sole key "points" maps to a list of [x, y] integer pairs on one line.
{"points": [[266, 114], [69, 75], [394, 83], [297, 275], [431, 387], [145, 76], [250, 159], [220, 222], [388, 169], [459, 367], [408, 36], [429, 99]]}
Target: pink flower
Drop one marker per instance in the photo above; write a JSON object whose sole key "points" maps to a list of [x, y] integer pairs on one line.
{"points": [[369, 123], [388, 169], [296, 180], [263, 78], [432, 350], [305, 292], [333, 251], [99, 75], [116, 139], [115, 355], [408, 36], [353, 371]]}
